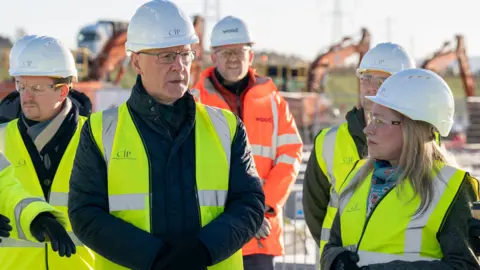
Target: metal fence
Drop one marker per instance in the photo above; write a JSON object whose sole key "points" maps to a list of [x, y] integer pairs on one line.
{"points": [[301, 251]]}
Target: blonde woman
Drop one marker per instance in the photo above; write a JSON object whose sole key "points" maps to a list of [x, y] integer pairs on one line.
{"points": [[406, 206]]}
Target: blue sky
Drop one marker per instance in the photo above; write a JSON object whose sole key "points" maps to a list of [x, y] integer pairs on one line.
{"points": [[301, 27]]}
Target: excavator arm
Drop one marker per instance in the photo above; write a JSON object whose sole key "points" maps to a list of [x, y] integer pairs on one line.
{"points": [[112, 55], [446, 55], [334, 57]]}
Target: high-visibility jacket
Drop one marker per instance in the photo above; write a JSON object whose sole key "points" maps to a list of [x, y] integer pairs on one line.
{"points": [[336, 154], [18, 254], [114, 132], [392, 231], [276, 147], [20, 206]]}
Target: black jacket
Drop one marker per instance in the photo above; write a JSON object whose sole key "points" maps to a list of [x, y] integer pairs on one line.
{"points": [[174, 210], [316, 187]]}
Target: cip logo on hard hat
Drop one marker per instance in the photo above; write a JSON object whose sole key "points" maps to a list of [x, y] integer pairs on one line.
{"points": [[175, 32], [382, 92], [27, 64]]}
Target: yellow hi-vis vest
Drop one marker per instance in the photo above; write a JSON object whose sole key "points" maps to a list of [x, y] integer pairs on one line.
{"points": [[336, 154], [18, 254], [115, 133], [392, 232]]}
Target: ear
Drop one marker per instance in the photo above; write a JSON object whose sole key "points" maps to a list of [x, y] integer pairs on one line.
{"points": [[134, 60], [213, 56], [64, 90], [251, 56]]}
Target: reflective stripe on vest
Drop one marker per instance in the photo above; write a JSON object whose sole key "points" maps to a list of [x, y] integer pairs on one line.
{"points": [[417, 240], [12, 145], [336, 154], [21, 205], [115, 133]]}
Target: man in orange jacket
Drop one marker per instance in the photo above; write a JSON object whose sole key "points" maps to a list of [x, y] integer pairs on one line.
{"points": [[272, 132]]}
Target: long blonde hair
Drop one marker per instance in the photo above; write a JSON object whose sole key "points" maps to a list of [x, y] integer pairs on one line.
{"points": [[420, 153]]}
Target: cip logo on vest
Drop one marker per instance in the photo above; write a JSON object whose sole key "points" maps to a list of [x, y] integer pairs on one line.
{"points": [[124, 154]]}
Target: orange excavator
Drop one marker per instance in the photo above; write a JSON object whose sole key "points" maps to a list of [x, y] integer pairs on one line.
{"points": [[334, 57], [440, 61], [446, 55]]}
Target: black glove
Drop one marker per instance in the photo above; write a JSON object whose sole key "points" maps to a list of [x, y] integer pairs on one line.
{"points": [[185, 253], [5, 227], [46, 225], [346, 260]]}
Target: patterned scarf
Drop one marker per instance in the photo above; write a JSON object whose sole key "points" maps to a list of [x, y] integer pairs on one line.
{"points": [[383, 179]]}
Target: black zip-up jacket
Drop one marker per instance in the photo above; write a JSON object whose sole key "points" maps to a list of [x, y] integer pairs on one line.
{"points": [[174, 206]]}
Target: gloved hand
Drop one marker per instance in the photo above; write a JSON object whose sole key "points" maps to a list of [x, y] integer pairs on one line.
{"points": [[5, 227], [346, 260], [264, 231], [46, 225], [184, 253]]}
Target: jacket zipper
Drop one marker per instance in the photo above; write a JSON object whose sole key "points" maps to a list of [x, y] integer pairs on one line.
{"points": [[369, 216], [239, 104]]}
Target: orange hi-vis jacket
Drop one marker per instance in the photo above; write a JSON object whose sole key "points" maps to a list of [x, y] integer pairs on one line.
{"points": [[275, 142]]}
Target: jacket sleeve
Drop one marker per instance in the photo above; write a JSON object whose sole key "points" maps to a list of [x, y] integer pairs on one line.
{"points": [[287, 162], [109, 236], [453, 237], [334, 246], [245, 206], [19, 206], [316, 196]]}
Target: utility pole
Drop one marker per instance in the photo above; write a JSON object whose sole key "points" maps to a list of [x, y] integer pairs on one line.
{"points": [[211, 13], [337, 21], [388, 24]]}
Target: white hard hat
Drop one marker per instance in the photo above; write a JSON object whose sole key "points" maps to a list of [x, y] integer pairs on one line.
{"points": [[230, 30], [421, 95], [386, 57], [44, 56], [17, 48], [159, 24]]}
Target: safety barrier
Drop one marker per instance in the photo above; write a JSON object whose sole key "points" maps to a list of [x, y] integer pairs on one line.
{"points": [[301, 251]]}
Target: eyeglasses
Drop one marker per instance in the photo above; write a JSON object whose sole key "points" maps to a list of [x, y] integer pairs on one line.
{"points": [[169, 57], [236, 53], [378, 122], [375, 81], [36, 89]]}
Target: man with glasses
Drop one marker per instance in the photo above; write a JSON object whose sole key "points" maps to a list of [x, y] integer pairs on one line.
{"points": [[41, 144], [163, 182], [276, 145], [10, 106], [337, 148]]}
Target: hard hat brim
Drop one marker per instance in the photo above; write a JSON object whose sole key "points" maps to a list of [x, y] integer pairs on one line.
{"points": [[406, 112], [136, 47]]}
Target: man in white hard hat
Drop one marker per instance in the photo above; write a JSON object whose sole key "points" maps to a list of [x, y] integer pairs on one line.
{"points": [[163, 182], [42, 144], [337, 148], [277, 148], [10, 107]]}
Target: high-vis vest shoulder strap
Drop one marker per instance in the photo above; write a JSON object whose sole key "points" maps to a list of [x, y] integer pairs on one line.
{"points": [[409, 237], [336, 153], [116, 135], [12, 251]]}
